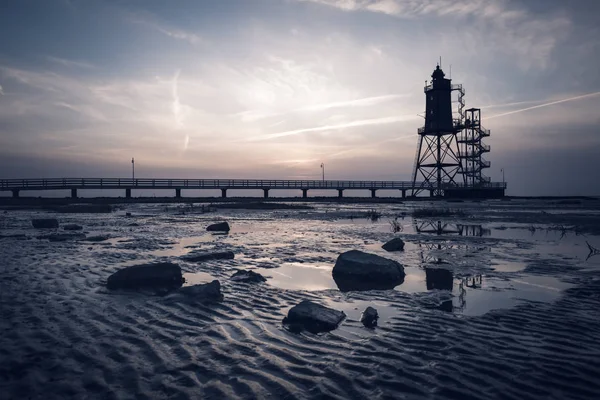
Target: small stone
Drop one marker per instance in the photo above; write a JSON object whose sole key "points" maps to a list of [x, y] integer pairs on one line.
{"points": [[219, 227], [369, 317], [395, 244], [313, 317], [44, 223], [248, 276]]}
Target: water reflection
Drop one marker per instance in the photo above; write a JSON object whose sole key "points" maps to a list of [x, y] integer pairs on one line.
{"points": [[443, 279], [445, 228]]}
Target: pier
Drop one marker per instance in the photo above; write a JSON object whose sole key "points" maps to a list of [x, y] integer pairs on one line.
{"points": [[16, 186]]}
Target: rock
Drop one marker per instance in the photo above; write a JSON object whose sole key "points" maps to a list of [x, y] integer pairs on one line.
{"points": [[356, 270], [96, 238], [219, 227], [44, 223], [369, 317], [313, 318], [197, 256], [248, 276], [72, 227], [395, 244], [210, 290], [146, 276], [128, 214], [439, 278]]}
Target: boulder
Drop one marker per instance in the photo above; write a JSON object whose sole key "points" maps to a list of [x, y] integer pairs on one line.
{"points": [[44, 223], [211, 291], [313, 318], [219, 227], [146, 276], [197, 256], [356, 270], [369, 317], [395, 244], [72, 227], [248, 276]]}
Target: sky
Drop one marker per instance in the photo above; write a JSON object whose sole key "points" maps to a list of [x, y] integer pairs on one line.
{"points": [[273, 88]]}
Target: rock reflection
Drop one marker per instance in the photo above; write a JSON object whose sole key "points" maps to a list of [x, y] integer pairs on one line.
{"points": [[348, 284]]}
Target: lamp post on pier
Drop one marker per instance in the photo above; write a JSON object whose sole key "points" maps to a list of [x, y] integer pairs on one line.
{"points": [[502, 170], [132, 169], [323, 168]]}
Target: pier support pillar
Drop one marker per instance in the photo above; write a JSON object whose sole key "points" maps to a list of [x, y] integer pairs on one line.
{"points": [[266, 193], [73, 193], [223, 193], [128, 193], [373, 193], [178, 193], [403, 193], [431, 193], [15, 193], [340, 193], [304, 193]]}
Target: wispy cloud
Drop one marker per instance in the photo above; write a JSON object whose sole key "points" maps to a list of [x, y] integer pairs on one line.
{"points": [[70, 63], [365, 102], [352, 124], [583, 96], [175, 33]]}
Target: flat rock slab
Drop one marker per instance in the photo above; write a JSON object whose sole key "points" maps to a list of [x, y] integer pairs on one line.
{"points": [[313, 318], [72, 227], [395, 244], [356, 270], [197, 256], [210, 291], [97, 238], [248, 276], [146, 276], [44, 223], [84, 208], [219, 227], [62, 237]]}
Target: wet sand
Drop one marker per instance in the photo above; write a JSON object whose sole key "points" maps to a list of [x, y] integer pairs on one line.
{"points": [[516, 318]]}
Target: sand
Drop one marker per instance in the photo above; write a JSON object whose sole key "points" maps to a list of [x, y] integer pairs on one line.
{"points": [[520, 321]]}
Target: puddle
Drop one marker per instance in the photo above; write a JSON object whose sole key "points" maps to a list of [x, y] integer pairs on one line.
{"points": [[509, 266], [197, 278], [184, 246], [494, 293]]}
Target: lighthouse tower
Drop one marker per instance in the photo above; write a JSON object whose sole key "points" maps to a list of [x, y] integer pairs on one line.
{"points": [[438, 162]]}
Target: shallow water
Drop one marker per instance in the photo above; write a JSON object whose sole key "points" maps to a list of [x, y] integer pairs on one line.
{"points": [[498, 302]]}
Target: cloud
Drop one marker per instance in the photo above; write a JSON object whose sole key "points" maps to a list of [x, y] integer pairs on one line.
{"points": [[495, 24]]}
